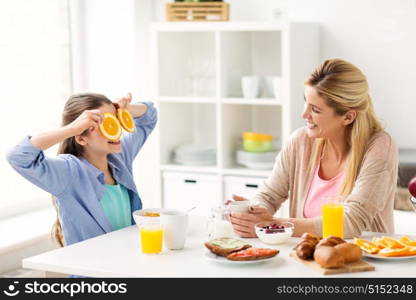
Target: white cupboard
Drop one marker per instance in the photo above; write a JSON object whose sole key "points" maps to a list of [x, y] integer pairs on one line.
{"points": [[198, 70], [185, 191]]}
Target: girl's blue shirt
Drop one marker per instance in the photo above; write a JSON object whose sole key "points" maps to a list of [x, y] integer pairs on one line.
{"points": [[79, 186]]}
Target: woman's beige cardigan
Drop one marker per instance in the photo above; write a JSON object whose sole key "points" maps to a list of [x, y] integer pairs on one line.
{"points": [[369, 207]]}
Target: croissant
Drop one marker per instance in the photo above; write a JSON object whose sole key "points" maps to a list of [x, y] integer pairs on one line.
{"points": [[310, 236], [306, 247]]}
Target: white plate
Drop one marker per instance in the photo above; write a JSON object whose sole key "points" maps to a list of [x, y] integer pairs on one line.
{"points": [[369, 237], [221, 259], [365, 254]]}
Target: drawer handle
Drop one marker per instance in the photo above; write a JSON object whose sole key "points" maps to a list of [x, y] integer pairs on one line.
{"points": [[255, 186], [190, 181]]}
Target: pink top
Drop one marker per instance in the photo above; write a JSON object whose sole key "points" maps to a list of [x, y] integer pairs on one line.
{"points": [[318, 190]]}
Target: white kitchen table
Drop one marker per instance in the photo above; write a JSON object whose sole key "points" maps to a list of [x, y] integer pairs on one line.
{"points": [[118, 254]]}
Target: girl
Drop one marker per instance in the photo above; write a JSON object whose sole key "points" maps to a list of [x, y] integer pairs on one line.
{"points": [[342, 151], [91, 178]]}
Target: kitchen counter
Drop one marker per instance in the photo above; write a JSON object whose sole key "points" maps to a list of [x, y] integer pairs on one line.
{"points": [[118, 254]]}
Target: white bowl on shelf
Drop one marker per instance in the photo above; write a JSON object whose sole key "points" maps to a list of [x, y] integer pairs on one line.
{"points": [[185, 162], [258, 166], [257, 160], [195, 154]]}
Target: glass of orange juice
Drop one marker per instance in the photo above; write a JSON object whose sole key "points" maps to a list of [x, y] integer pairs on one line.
{"points": [[333, 217], [151, 235]]}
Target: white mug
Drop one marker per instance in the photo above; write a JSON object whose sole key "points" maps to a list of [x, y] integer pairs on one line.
{"points": [[250, 86], [240, 206], [268, 91], [175, 227], [277, 87]]}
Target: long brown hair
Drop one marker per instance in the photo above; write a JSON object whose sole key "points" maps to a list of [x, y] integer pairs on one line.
{"points": [[344, 87], [73, 108]]}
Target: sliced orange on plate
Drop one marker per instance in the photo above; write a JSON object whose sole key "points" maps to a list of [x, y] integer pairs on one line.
{"points": [[379, 242], [407, 241], [390, 252], [387, 246], [110, 127], [126, 120], [367, 246], [392, 243]]}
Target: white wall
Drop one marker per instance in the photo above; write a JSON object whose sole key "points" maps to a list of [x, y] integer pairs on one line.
{"points": [[111, 56], [379, 36]]}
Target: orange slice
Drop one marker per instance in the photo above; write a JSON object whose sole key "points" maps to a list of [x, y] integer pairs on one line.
{"points": [[379, 242], [110, 127], [367, 246], [392, 243], [389, 252], [407, 241], [412, 251], [126, 120]]}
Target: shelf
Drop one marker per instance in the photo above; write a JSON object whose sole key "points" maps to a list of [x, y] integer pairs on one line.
{"points": [[187, 99], [217, 26], [184, 124], [199, 82], [237, 171], [249, 53], [256, 101], [242, 101], [237, 119], [241, 171], [193, 169], [186, 64]]}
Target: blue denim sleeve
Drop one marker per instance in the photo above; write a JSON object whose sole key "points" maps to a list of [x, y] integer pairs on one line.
{"points": [[52, 174], [133, 142]]}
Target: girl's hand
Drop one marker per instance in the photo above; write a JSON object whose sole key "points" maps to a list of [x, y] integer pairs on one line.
{"points": [[124, 102], [243, 223], [89, 119]]}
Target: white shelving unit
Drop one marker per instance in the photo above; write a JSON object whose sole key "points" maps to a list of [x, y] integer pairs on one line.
{"points": [[197, 83]]}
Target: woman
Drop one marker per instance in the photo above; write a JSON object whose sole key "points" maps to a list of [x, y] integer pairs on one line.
{"points": [[343, 151]]}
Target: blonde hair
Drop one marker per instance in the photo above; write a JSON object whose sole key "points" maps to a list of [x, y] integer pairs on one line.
{"points": [[344, 87]]}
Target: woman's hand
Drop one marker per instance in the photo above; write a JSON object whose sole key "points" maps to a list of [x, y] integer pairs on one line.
{"points": [[89, 119], [243, 223]]}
